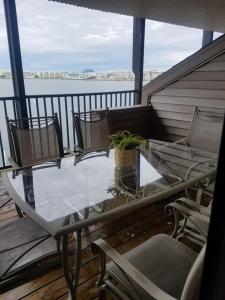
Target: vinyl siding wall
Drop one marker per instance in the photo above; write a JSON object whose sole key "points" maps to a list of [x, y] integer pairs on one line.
{"points": [[174, 105]]}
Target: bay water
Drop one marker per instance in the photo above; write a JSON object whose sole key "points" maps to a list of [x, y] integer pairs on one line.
{"points": [[60, 86]]}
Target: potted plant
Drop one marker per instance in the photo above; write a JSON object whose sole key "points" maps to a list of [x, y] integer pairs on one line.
{"points": [[125, 144]]}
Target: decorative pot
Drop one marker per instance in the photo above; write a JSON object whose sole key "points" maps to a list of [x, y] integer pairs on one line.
{"points": [[125, 158]]}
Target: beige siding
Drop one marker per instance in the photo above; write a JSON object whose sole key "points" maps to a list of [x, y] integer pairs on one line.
{"points": [[175, 104]]}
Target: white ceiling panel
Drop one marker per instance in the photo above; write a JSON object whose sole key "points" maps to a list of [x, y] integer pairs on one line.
{"points": [[202, 14]]}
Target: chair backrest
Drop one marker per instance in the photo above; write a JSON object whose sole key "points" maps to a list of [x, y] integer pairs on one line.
{"points": [[35, 140], [92, 130], [206, 129], [192, 285]]}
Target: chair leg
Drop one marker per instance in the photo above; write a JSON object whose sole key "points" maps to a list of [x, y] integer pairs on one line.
{"points": [[102, 293], [77, 159], [20, 214], [58, 163]]}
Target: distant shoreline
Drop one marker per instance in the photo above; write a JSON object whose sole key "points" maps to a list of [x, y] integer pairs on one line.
{"points": [[73, 79]]}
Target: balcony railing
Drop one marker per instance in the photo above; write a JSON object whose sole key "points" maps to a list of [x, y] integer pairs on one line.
{"points": [[63, 105]]}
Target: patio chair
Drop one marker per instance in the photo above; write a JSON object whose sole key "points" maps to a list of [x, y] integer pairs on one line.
{"points": [[160, 268], [25, 250], [34, 141], [92, 133], [191, 219], [205, 133], [206, 129]]}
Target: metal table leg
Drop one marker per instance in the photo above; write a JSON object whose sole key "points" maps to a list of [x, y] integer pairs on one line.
{"points": [[71, 272]]}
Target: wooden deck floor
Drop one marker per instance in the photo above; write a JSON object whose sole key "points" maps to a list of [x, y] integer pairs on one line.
{"points": [[123, 234]]}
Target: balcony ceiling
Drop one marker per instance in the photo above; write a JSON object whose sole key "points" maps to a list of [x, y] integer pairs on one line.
{"points": [[202, 14]]}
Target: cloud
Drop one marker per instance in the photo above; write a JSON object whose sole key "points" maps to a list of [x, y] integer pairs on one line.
{"points": [[62, 37]]}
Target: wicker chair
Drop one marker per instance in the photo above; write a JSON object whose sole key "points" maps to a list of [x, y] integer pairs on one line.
{"points": [[92, 134], [34, 141], [160, 268]]}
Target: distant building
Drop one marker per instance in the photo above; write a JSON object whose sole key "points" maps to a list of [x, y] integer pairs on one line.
{"points": [[87, 74], [5, 74]]}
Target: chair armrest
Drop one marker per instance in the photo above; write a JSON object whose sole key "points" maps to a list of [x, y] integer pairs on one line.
{"points": [[126, 267], [188, 212], [173, 143], [194, 205], [180, 141]]}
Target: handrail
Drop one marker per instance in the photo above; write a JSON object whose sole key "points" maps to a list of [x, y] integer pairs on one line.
{"points": [[68, 95], [81, 94], [8, 98]]}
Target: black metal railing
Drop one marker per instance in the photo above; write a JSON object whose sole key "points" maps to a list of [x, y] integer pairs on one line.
{"points": [[63, 105]]}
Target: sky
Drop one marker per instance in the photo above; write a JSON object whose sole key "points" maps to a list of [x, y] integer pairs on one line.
{"points": [[56, 36]]}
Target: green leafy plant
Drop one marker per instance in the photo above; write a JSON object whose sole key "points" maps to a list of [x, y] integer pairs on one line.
{"points": [[124, 140]]}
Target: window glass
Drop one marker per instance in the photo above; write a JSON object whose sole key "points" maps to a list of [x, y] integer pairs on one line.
{"points": [[166, 45]]}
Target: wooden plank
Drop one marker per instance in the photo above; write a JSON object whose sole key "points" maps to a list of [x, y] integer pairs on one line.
{"points": [[170, 123], [175, 115], [213, 66], [32, 286], [192, 101], [190, 109], [200, 76], [8, 215], [179, 108], [199, 84], [211, 94], [177, 131], [166, 136], [220, 58], [130, 109]]}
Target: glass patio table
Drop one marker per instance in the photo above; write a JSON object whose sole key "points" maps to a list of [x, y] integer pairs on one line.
{"points": [[67, 199]]}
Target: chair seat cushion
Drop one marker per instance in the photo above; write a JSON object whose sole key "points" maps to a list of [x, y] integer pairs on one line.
{"points": [[162, 259]]}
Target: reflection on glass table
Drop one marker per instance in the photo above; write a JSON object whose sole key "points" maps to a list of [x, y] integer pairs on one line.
{"points": [[56, 193]]}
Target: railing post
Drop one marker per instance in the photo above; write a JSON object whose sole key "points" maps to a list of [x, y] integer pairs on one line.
{"points": [[207, 37], [15, 57], [138, 55]]}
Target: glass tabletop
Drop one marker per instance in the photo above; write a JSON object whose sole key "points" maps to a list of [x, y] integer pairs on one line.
{"points": [[72, 193]]}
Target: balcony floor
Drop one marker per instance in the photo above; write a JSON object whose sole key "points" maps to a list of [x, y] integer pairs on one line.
{"points": [[123, 234]]}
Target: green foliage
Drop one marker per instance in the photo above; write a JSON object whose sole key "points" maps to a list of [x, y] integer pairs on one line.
{"points": [[124, 140]]}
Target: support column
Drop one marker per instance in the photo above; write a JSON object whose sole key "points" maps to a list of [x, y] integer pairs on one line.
{"points": [[15, 57], [138, 55], [212, 286], [207, 37]]}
